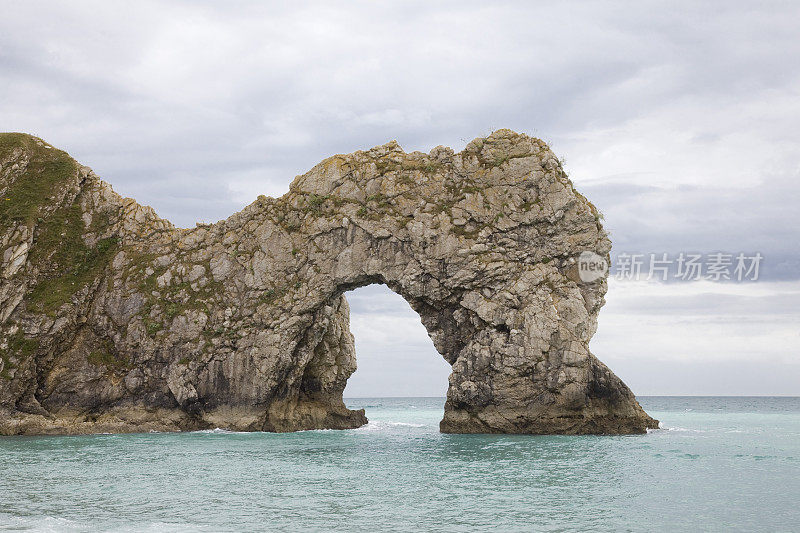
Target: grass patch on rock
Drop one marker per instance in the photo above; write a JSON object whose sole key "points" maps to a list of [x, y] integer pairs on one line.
{"points": [[71, 263], [105, 357], [46, 169], [19, 346]]}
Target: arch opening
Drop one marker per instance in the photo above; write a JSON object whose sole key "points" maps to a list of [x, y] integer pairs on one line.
{"points": [[395, 355]]}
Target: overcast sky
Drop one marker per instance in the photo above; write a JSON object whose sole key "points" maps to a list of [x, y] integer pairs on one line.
{"points": [[679, 120]]}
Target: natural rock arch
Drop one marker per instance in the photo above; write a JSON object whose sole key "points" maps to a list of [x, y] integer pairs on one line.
{"points": [[242, 323]]}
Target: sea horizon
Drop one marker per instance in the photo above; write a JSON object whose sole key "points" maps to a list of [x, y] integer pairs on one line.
{"points": [[638, 396]]}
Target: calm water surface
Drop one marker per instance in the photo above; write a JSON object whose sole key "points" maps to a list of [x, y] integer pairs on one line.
{"points": [[719, 464]]}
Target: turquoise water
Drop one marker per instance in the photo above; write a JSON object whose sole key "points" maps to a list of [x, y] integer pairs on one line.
{"points": [[720, 464]]}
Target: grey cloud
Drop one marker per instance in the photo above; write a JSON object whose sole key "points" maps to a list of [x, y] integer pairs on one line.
{"points": [[679, 120], [648, 219], [706, 303]]}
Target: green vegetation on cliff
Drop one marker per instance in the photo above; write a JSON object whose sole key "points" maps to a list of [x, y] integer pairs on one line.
{"points": [[72, 263], [46, 168], [18, 346], [106, 358], [42, 181]]}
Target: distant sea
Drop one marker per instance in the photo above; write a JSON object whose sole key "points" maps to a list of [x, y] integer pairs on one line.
{"points": [[718, 464]]}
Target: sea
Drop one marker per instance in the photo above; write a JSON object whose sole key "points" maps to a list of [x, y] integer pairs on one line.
{"points": [[717, 464]]}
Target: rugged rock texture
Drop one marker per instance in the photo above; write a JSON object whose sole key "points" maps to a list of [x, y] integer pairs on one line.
{"points": [[112, 319]]}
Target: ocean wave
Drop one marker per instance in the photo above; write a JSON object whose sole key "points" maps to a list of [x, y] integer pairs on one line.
{"points": [[219, 431], [54, 524], [41, 524], [683, 430], [381, 425]]}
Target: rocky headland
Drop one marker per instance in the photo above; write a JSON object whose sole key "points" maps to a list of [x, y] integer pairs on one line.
{"points": [[114, 320]]}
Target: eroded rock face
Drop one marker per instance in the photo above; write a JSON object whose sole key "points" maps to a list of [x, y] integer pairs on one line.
{"points": [[112, 319]]}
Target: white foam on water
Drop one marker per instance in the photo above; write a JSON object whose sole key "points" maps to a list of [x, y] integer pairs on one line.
{"points": [[382, 425], [684, 430], [60, 525], [158, 527], [43, 524], [220, 431]]}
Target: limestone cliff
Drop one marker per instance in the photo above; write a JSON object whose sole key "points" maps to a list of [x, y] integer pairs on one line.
{"points": [[112, 319]]}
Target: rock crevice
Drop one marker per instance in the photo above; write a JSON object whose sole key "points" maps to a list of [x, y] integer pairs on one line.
{"points": [[113, 319]]}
